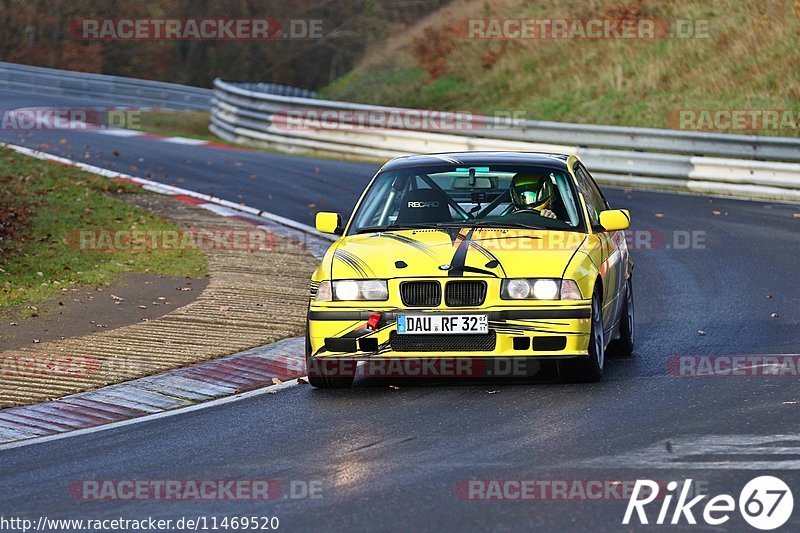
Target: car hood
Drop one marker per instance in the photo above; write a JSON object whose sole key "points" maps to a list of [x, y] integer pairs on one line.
{"points": [[508, 253]]}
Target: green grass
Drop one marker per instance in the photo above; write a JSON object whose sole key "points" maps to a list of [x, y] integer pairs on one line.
{"points": [[748, 61], [192, 124], [42, 256]]}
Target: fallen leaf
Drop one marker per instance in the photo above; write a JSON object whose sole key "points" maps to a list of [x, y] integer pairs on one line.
{"points": [[117, 298], [302, 381], [115, 153], [716, 213], [277, 381]]}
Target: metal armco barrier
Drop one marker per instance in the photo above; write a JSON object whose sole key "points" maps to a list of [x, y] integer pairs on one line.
{"points": [[114, 89], [262, 114], [709, 163]]}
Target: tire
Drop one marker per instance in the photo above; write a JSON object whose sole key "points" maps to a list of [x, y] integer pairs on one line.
{"points": [[320, 372], [590, 369], [624, 345]]}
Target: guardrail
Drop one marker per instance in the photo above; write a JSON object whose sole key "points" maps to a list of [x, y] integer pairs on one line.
{"points": [[114, 89], [698, 162]]}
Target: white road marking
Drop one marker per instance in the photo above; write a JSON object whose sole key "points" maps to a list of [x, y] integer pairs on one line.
{"points": [[711, 452], [119, 132], [185, 140]]}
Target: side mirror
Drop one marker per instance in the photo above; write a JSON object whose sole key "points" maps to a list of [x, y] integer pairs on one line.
{"points": [[615, 219], [329, 223]]}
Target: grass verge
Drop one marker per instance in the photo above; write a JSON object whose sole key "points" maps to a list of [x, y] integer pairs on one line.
{"points": [[43, 205], [192, 124], [730, 55]]}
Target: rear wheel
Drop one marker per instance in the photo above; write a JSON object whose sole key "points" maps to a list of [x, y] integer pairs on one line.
{"points": [[624, 345], [590, 369], [326, 374]]}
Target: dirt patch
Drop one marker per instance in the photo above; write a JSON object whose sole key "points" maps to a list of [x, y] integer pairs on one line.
{"points": [[11, 220], [130, 299]]}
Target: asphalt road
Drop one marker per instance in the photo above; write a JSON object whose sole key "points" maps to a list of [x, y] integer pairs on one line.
{"points": [[392, 459]]}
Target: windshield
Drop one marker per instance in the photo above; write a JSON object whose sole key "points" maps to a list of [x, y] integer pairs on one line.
{"points": [[482, 195]]}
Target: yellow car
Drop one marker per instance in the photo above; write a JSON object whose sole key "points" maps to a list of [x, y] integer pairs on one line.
{"points": [[473, 256]]}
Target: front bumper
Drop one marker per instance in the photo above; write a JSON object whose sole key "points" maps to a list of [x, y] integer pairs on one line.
{"points": [[541, 331]]}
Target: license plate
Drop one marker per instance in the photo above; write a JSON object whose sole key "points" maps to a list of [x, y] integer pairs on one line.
{"points": [[443, 324]]}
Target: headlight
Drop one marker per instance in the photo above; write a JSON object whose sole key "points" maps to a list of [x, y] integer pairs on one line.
{"points": [[539, 289], [516, 289], [545, 289], [355, 290]]}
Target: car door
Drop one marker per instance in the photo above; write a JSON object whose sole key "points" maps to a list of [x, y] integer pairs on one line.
{"points": [[614, 249]]}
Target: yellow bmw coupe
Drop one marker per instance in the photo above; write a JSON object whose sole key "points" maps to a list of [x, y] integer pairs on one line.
{"points": [[473, 256]]}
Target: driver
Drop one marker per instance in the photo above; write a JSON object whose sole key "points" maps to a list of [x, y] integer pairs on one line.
{"points": [[530, 192]]}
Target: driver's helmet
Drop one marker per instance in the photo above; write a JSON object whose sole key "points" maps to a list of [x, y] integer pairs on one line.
{"points": [[530, 191]]}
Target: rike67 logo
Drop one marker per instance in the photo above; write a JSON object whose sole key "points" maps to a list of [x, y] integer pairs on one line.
{"points": [[765, 503]]}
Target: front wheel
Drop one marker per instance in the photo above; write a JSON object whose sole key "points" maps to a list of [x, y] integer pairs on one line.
{"points": [[624, 345], [590, 369]]}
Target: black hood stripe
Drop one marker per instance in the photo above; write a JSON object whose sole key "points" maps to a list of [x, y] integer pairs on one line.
{"points": [[413, 243], [460, 257]]}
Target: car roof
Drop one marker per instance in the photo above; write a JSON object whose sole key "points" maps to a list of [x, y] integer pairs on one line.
{"points": [[550, 160]]}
